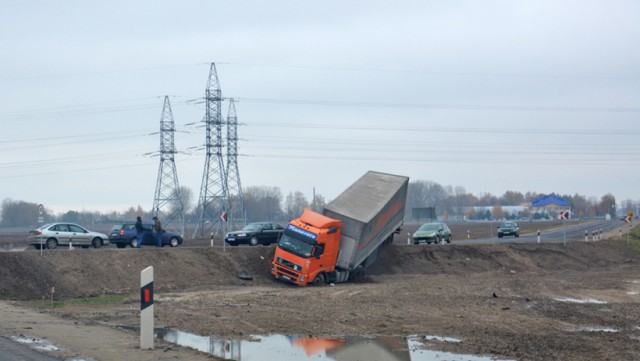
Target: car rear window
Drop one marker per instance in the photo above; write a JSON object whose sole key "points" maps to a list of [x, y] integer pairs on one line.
{"points": [[116, 228]]}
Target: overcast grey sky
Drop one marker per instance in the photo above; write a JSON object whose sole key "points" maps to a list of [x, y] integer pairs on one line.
{"points": [[538, 96]]}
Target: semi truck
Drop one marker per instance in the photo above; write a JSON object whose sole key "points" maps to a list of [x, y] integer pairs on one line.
{"points": [[341, 242]]}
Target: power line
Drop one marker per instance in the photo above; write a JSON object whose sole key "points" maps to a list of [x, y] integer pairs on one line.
{"points": [[431, 72], [98, 72], [528, 108]]}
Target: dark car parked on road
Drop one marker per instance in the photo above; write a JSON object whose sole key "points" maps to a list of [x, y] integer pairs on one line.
{"points": [[264, 233], [508, 229], [124, 234]]}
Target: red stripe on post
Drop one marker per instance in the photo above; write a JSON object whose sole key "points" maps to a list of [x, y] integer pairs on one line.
{"points": [[147, 295]]}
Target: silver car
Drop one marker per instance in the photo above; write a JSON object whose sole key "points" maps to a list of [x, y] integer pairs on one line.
{"points": [[58, 234]]}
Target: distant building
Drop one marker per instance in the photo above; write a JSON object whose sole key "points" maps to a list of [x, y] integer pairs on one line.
{"points": [[510, 212], [549, 205]]}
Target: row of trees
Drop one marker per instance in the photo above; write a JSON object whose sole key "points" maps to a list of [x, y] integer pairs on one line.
{"points": [[268, 203], [457, 201]]}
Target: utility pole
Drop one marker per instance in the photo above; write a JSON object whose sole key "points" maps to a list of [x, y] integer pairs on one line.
{"points": [[237, 216], [168, 203], [213, 201]]}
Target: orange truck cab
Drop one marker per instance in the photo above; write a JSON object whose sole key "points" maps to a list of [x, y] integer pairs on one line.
{"points": [[308, 249], [341, 242]]}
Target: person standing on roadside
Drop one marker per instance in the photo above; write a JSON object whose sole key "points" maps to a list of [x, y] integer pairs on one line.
{"points": [[139, 231], [157, 227]]}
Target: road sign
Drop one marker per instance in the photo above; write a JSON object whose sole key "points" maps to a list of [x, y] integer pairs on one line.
{"points": [[564, 215], [40, 209], [630, 215], [627, 219], [223, 216]]}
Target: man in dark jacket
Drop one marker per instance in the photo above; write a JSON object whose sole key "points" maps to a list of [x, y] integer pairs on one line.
{"points": [[139, 231], [157, 227]]}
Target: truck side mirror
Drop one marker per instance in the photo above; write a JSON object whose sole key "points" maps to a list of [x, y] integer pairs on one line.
{"points": [[318, 251]]}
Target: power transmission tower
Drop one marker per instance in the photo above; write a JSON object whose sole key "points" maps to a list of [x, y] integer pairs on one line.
{"points": [[168, 205], [237, 216], [213, 201]]}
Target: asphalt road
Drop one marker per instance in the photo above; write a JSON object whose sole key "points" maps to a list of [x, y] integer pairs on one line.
{"points": [[571, 232]]}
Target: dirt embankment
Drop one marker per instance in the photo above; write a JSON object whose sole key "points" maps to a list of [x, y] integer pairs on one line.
{"points": [[92, 272], [506, 300]]}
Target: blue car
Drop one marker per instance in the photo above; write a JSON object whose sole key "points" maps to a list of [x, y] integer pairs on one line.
{"points": [[124, 234]]}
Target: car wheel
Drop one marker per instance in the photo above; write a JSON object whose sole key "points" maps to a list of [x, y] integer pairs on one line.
{"points": [[173, 242], [121, 245], [438, 240], [416, 242], [254, 241], [319, 280], [96, 243], [51, 243], [517, 235], [134, 242], [449, 239]]}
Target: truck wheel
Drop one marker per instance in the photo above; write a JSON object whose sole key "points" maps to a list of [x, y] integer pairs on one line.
{"points": [[254, 241], [319, 280]]}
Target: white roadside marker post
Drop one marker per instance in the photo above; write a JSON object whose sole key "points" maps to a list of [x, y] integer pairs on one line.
{"points": [[146, 309], [538, 236]]}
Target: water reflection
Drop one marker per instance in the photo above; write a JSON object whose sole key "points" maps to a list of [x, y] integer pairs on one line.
{"points": [[280, 347]]}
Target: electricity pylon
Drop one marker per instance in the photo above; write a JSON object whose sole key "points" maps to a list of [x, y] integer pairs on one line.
{"points": [[168, 204], [213, 201], [237, 216]]}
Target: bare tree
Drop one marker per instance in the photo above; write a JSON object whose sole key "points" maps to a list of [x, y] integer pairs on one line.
{"points": [[263, 203], [295, 204], [318, 203]]}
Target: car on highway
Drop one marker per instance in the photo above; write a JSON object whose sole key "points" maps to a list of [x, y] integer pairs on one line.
{"points": [[508, 229], [264, 233], [435, 232], [52, 235], [124, 234]]}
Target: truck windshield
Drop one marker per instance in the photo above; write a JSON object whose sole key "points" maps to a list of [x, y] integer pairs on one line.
{"points": [[296, 246]]}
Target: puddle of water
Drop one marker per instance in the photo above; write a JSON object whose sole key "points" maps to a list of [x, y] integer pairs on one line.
{"points": [[442, 339], [581, 300], [35, 343], [293, 348], [596, 329]]}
